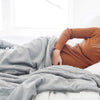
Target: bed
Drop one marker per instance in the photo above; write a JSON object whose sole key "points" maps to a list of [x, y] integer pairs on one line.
{"points": [[51, 95]]}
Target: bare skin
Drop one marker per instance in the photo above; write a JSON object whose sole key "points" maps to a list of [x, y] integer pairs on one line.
{"points": [[56, 58]]}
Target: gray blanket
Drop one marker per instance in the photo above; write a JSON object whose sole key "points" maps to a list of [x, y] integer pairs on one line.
{"points": [[26, 70]]}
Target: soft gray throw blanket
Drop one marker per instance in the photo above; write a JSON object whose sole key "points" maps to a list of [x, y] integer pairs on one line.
{"points": [[26, 70]]}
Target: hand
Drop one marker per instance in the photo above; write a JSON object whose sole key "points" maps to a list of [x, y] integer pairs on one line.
{"points": [[56, 58]]}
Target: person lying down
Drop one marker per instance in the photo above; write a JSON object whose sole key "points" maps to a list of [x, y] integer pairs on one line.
{"points": [[82, 54]]}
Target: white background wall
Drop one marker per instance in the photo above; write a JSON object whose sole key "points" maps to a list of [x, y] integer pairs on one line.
{"points": [[0, 16], [17, 23], [86, 11], [28, 19]]}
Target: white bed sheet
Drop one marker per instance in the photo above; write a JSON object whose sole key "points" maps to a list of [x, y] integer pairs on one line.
{"points": [[68, 96]]}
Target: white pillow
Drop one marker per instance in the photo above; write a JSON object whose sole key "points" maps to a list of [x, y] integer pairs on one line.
{"points": [[95, 68]]}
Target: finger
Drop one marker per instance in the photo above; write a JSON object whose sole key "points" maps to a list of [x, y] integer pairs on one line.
{"points": [[60, 62], [55, 64]]}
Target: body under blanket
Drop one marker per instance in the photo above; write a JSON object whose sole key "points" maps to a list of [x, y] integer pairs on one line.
{"points": [[26, 70]]}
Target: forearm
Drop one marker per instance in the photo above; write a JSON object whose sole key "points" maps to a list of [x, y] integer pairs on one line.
{"points": [[74, 33], [64, 37]]}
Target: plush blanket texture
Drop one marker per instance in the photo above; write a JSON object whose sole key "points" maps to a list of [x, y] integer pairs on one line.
{"points": [[26, 70]]}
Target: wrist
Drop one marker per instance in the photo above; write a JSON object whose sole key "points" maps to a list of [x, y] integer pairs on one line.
{"points": [[57, 51]]}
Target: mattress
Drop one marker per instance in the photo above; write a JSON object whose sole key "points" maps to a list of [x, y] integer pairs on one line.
{"points": [[68, 96]]}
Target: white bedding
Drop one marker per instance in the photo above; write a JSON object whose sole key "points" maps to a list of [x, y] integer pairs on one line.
{"points": [[68, 96]]}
